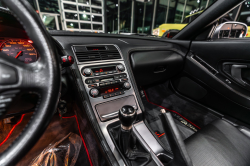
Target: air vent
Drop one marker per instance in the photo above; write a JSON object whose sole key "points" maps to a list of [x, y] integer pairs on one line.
{"points": [[96, 53]]}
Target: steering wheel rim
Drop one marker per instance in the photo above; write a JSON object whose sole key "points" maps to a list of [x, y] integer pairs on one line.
{"points": [[42, 77]]}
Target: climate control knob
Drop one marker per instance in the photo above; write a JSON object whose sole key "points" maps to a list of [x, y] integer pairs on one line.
{"points": [[126, 85], [94, 92], [87, 72], [120, 68]]}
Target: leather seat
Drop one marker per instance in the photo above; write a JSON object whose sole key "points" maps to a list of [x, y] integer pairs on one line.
{"points": [[219, 144]]}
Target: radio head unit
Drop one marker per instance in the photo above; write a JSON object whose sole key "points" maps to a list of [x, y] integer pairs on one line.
{"points": [[102, 70], [106, 81]]}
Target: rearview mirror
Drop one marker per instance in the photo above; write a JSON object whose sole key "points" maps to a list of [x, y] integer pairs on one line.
{"points": [[230, 30]]}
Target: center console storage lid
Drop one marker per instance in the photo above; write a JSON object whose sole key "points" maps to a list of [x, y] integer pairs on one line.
{"points": [[109, 110]]}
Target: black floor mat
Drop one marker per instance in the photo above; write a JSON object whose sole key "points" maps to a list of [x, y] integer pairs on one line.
{"points": [[195, 114], [188, 117], [152, 115]]}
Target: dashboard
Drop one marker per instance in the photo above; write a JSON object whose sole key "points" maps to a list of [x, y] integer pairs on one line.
{"points": [[20, 49], [103, 75]]}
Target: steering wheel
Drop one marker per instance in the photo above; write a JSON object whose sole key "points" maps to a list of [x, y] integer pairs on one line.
{"points": [[42, 77]]}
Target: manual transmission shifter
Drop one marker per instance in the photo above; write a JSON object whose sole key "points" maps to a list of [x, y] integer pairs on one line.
{"points": [[126, 140], [127, 116]]}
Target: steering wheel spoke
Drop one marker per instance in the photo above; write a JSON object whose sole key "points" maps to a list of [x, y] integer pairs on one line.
{"points": [[15, 77], [18, 75]]}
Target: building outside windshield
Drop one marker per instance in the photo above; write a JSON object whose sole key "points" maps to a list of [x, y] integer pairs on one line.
{"points": [[148, 17]]}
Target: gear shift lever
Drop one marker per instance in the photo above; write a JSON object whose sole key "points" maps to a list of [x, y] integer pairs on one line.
{"points": [[127, 115], [126, 140]]}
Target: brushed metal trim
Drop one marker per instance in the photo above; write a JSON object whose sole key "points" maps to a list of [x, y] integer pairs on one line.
{"points": [[154, 157], [113, 114], [110, 115], [98, 100], [94, 101]]}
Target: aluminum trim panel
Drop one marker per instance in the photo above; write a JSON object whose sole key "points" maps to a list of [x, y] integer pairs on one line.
{"points": [[98, 100]]}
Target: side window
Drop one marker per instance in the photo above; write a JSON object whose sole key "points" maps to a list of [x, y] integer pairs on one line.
{"points": [[235, 24], [244, 15]]}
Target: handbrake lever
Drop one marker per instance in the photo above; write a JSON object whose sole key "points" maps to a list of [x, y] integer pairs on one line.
{"points": [[176, 143]]}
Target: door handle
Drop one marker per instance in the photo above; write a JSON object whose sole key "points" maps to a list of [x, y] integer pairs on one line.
{"points": [[236, 72]]}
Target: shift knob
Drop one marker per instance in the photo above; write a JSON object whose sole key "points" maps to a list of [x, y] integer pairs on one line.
{"points": [[127, 115]]}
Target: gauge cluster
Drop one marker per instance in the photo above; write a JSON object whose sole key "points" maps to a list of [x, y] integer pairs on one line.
{"points": [[20, 49]]}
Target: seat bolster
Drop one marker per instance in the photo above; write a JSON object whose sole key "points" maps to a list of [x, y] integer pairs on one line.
{"points": [[218, 144]]}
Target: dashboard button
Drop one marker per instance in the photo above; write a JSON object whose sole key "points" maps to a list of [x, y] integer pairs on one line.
{"points": [[88, 81], [102, 73], [101, 84], [87, 72], [126, 85], [96, 80], [106, 96], [114, 71], [120, 67], [112, 95], [110, 72], [107, 83], [96, 74], [93, 85], [116, 77], [94, 92], [8, 75], [124, 79], [120, 76], [117, 81], [117, 93]]}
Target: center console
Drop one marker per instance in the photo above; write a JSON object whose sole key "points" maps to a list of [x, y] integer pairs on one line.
{"points": [[109, 87]]}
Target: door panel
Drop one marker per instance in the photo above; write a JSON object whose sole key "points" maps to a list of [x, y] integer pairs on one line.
{"points": [[205, 65]]}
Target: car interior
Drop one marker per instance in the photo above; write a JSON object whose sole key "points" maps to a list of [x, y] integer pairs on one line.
{"points": [[95, 99]]}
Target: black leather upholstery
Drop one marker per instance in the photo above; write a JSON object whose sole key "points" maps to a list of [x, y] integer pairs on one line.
{"points": [[219, 144], [130, 148], [176, 143]]}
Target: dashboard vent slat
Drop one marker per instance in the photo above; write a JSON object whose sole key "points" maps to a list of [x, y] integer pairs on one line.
{"points": [[96, 55]]}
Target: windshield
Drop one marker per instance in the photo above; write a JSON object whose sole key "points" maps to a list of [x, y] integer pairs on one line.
{"points": [[143, 17]]}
